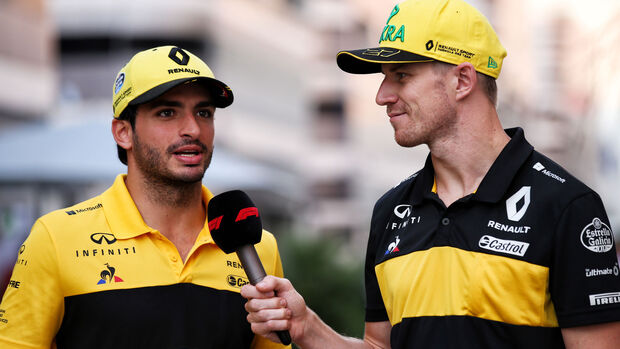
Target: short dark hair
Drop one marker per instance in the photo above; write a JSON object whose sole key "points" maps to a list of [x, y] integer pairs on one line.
{"points": [[489, 86], [129, 114], [488, 83]]}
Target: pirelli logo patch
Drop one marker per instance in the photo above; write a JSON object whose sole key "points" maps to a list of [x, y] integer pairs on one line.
{"points": [[604, 298]]}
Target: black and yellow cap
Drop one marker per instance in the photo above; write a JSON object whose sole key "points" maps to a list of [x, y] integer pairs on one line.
{"points": [[152, 72], [450, 31]]}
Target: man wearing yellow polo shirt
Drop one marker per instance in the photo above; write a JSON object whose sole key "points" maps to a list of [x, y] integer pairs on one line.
{"points": [[136, 267]]}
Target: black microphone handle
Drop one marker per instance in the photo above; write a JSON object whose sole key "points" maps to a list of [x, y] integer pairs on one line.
{"points": [[254, 270]]}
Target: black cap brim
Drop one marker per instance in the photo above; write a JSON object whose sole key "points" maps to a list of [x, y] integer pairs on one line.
{"points": [[369, 60], [221, 93]]}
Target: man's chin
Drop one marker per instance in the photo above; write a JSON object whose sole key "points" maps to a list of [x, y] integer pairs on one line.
{"points": [[190, 177], [191, 174], [406, 143]]}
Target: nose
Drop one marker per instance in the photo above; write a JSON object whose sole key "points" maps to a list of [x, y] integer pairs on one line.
{"points": [[189, 125], [386, 94]]}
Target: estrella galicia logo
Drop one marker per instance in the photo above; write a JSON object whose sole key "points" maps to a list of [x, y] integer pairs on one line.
{"points": [[108, 275], [520, 198], [99, 238], [236, 281], [597, 236], [118, 84]]}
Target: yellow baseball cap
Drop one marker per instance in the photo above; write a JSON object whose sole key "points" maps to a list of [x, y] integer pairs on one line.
{"points": [[450, 31], [152, 72]]}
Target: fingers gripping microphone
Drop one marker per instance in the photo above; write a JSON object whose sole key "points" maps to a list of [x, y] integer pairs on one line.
{"points": [[236, 227]]}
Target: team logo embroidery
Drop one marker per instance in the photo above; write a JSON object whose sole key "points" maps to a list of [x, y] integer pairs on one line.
{"points": [[597, 237], [179, 56], [393, 247], [520, 198], [107, 275]]}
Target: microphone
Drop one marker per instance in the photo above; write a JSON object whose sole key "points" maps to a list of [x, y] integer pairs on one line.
{"points": [[235, 226]]}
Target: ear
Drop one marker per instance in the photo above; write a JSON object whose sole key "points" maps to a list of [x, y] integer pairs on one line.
{"points": [[467, 80], [123, 133]]}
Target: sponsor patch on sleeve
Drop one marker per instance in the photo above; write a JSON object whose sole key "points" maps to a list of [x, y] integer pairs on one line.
{"points": [[597, 236]]}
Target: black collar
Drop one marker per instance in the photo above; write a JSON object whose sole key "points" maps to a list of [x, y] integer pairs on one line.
{"points": [[496, 182]]}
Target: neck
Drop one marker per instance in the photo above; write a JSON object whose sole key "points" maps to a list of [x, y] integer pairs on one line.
{"points": [[463, 158], [176, 209]]}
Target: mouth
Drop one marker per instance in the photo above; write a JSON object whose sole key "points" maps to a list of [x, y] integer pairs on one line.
{"points": [[394, 113], [186, 154], [189, 154]]}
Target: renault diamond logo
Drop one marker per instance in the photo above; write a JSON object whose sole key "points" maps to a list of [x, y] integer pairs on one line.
{"points": [[520, 198]]}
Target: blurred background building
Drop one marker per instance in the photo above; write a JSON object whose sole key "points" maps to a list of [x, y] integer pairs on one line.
{"points": [[305, 140]]}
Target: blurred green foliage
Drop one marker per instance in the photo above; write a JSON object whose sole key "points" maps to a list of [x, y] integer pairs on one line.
{"points": [[329, 277]]}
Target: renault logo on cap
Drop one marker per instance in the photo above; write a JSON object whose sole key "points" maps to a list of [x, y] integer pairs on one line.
{"points": [[178, 56]]}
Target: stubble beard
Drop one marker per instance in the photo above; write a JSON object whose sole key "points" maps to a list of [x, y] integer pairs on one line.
{"points": [[161, 183], [435, 126]]}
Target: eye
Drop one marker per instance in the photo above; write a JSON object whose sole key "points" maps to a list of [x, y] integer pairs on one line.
{"points": [[165, 113], [205, 113], [400, 76]]}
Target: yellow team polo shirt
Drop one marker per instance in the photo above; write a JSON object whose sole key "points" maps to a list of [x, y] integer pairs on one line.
{"points": [[94, 275]]}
